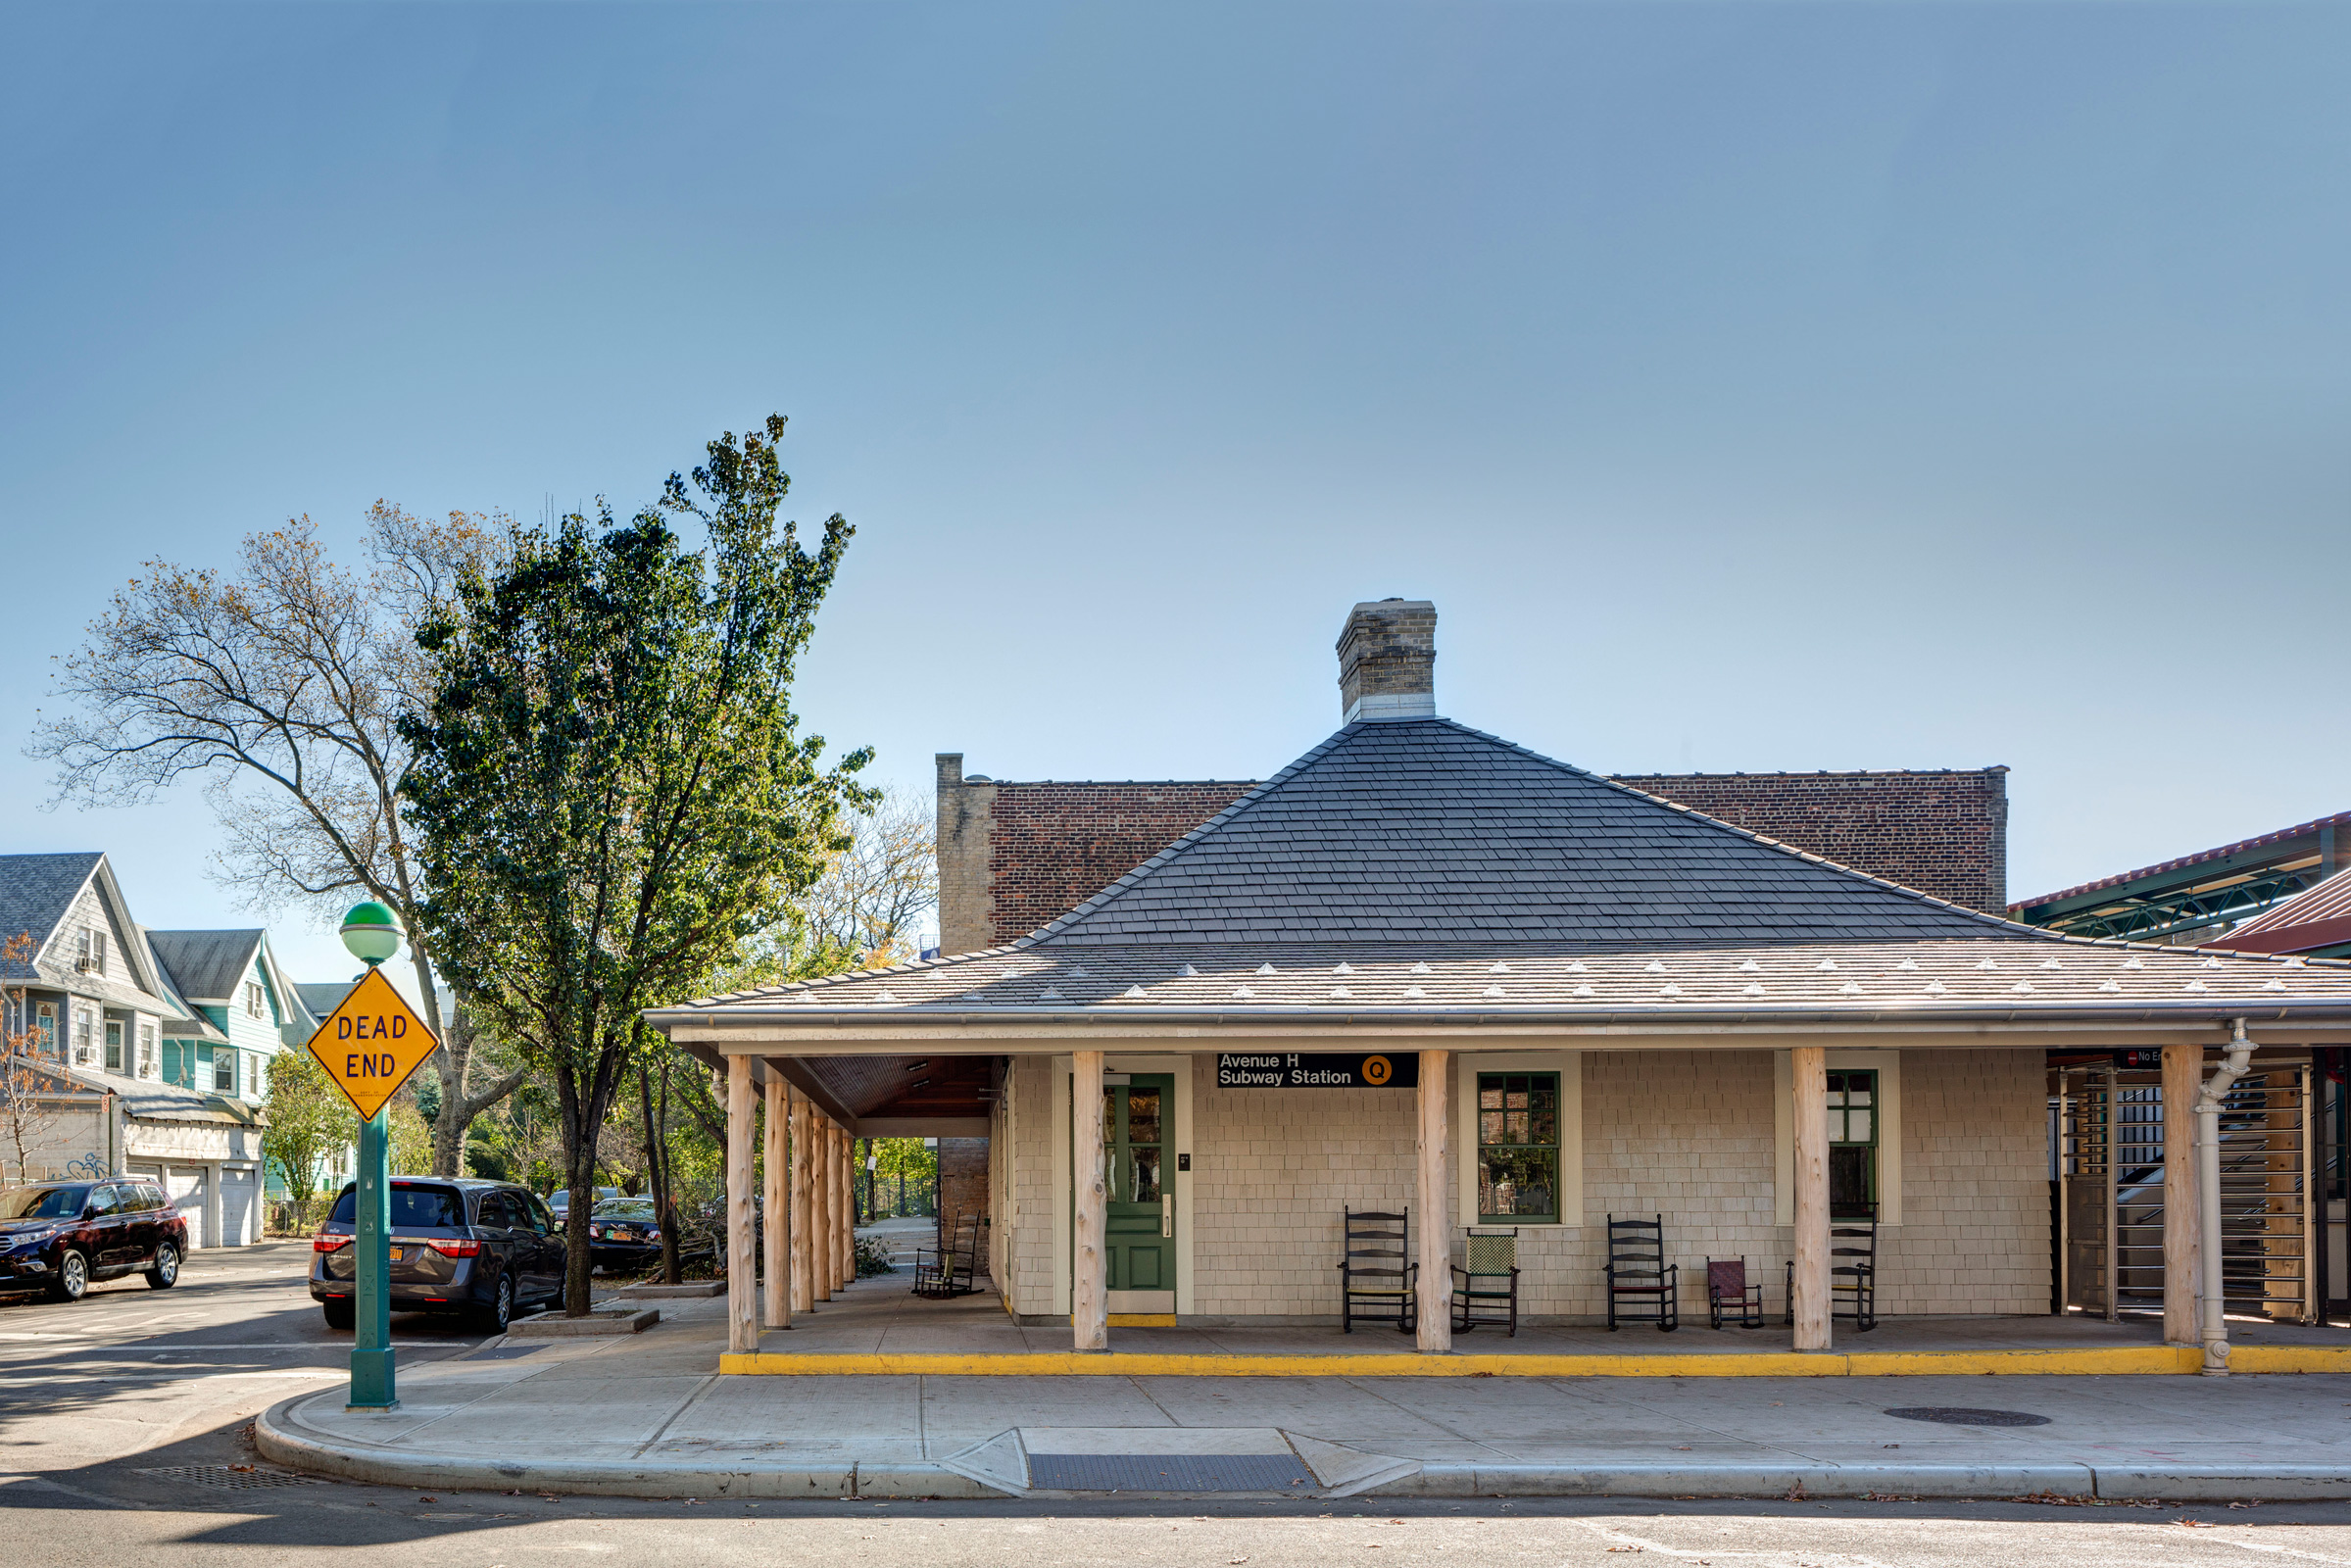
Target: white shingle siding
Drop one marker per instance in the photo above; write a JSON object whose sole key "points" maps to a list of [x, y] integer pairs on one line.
{"points": [[1686, 1133]]}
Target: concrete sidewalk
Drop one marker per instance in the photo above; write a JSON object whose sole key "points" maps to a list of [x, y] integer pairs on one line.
{"points": [[647, 1416]]}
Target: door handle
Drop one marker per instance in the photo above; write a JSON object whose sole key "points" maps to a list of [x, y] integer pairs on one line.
{"points": [[1167, 1213]]}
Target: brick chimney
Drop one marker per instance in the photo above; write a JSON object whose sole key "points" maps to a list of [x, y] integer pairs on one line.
{"points": [[1388, 661]]}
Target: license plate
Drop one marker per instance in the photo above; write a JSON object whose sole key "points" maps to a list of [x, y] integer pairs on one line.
{"points": [[397, 1255], [623, 1236]]}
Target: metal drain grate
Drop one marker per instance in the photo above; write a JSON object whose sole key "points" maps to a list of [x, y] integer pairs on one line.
{"points": [[228, 1477], [1961, 1416], [1169, 1472], [506, 1353]]}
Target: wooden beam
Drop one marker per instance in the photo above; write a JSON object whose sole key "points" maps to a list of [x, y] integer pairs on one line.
{"points": [[804, 1116], [844, 1216], [839, 1198], [742, 1288], [1089, 1280], [1808, 1065], [1434, 1333], [775, 1283], [2183, 1074]]}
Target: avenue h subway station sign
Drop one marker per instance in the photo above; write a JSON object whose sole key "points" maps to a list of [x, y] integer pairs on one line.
{"points": [[372, 1043], [1317, 1069]]}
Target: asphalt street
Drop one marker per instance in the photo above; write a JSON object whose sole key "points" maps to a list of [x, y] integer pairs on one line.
{"points": [[122, 1438]]}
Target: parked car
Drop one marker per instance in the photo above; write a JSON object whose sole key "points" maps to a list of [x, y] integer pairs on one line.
{"points": [[624, 1233], [483, 1249], [65, 1235], [558, 1202]]}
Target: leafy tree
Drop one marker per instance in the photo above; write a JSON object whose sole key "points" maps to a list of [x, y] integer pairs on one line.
{"points": [[29, 1083], [609, 786], [307, 1119], [281, 686]]}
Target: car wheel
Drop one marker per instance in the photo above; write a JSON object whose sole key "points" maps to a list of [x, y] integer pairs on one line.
{"points": [[73, 1277], [501, 1311], [165, 1272], [340, 1315]]}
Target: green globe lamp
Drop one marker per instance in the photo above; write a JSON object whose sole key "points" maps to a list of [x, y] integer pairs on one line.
{"points": [[372, 931]]}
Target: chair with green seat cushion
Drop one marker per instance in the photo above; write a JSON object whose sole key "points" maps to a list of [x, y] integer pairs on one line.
{"points": [[1375, 1270], [1486, 1281]]}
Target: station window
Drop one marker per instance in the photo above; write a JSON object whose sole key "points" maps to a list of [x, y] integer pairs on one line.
{"points": [[1518, 1147], [1853, 1145]]}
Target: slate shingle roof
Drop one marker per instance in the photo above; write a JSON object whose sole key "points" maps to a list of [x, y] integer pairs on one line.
{"points": [[1414, 866], [207, 965], [1428, 831], [35, 891]]}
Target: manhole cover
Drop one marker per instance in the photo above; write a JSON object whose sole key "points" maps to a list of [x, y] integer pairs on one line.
{"points": [[1960, 1416], [227, 1477]]}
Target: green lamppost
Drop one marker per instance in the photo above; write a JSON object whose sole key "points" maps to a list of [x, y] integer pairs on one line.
{"points": [[372, 933]]}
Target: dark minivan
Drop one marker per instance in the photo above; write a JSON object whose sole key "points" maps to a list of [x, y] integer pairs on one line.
{"points": [[483, 1249], [63, 1236]]}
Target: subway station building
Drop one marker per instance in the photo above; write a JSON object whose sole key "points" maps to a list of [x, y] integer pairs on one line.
{"points": [[1425, 969]]}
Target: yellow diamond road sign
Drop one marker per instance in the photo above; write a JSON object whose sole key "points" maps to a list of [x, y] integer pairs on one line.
{"points": [[372, 1043]]}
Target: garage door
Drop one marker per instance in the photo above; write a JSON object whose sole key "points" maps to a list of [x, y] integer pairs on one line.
{"points": [[187, 1196], [239, 1199]]}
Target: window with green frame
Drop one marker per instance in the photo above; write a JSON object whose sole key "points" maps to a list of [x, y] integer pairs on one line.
{"points": [[1853, 1145], [1518, 1147]]}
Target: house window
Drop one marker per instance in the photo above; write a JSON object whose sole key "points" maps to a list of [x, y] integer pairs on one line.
{"points": [[44, 1027], [147, 1066], [85, 1035], [224, 1071], [253, 1002], [1853, 1145], [113, 1045], [90, 958], [1518, 1147]]}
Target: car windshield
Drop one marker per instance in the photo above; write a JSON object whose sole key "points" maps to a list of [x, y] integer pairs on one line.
{"points": [[625, 1209], [42, 1202], [412, 1206]]}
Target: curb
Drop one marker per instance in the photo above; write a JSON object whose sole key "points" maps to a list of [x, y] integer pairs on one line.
{"points": [[279, 1442]]}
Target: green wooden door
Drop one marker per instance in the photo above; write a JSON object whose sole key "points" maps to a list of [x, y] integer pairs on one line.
{"points": [[1138, 1125]]}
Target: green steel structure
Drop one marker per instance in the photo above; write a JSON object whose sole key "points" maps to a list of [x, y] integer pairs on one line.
{"points": [[2197, 897]]}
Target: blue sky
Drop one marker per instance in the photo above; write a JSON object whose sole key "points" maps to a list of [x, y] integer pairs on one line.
{"points": [[1754, 387]]}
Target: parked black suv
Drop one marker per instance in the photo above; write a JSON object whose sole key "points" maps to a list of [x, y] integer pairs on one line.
{"points": [[62, 1236], [483, 1249]]}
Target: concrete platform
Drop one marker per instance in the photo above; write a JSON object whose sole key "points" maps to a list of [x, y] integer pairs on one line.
{"points": [[649, 1415], [877, 1327]]}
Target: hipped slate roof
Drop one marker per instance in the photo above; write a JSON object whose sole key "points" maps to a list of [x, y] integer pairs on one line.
{"points": [[1412, 867]]}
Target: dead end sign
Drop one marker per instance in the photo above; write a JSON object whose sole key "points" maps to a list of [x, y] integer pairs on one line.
{"points": [[1317, 1069], [372, 1043]]}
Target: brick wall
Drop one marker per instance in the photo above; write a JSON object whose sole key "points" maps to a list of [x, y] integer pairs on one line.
{"points": [[1945, 833], [1014, 857], [1686, 1134], [963, 1186]]}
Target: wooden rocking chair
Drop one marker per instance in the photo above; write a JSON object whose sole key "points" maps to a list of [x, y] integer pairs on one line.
{"points": [[1640, 1276], [1486, 1290], [1375, 1269]]}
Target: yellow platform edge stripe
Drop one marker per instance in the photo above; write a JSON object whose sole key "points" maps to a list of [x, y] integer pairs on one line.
{"points": [[2119, 1361]]}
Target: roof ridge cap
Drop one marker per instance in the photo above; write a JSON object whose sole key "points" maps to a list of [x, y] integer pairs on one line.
{"points": [[1063, 921]]}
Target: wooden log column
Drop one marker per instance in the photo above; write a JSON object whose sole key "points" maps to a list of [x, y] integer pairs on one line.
{"points": [[837, 1194], [775, 1290], [2182, 1222], [742, 1267], [821, 1213], [1809, 1067], [1089, 1277], [845, 1235], [804, 1293], [1434, 1330]]}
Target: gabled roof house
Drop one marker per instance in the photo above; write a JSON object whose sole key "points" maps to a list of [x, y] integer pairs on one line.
{"points": [[1425, 969]]}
